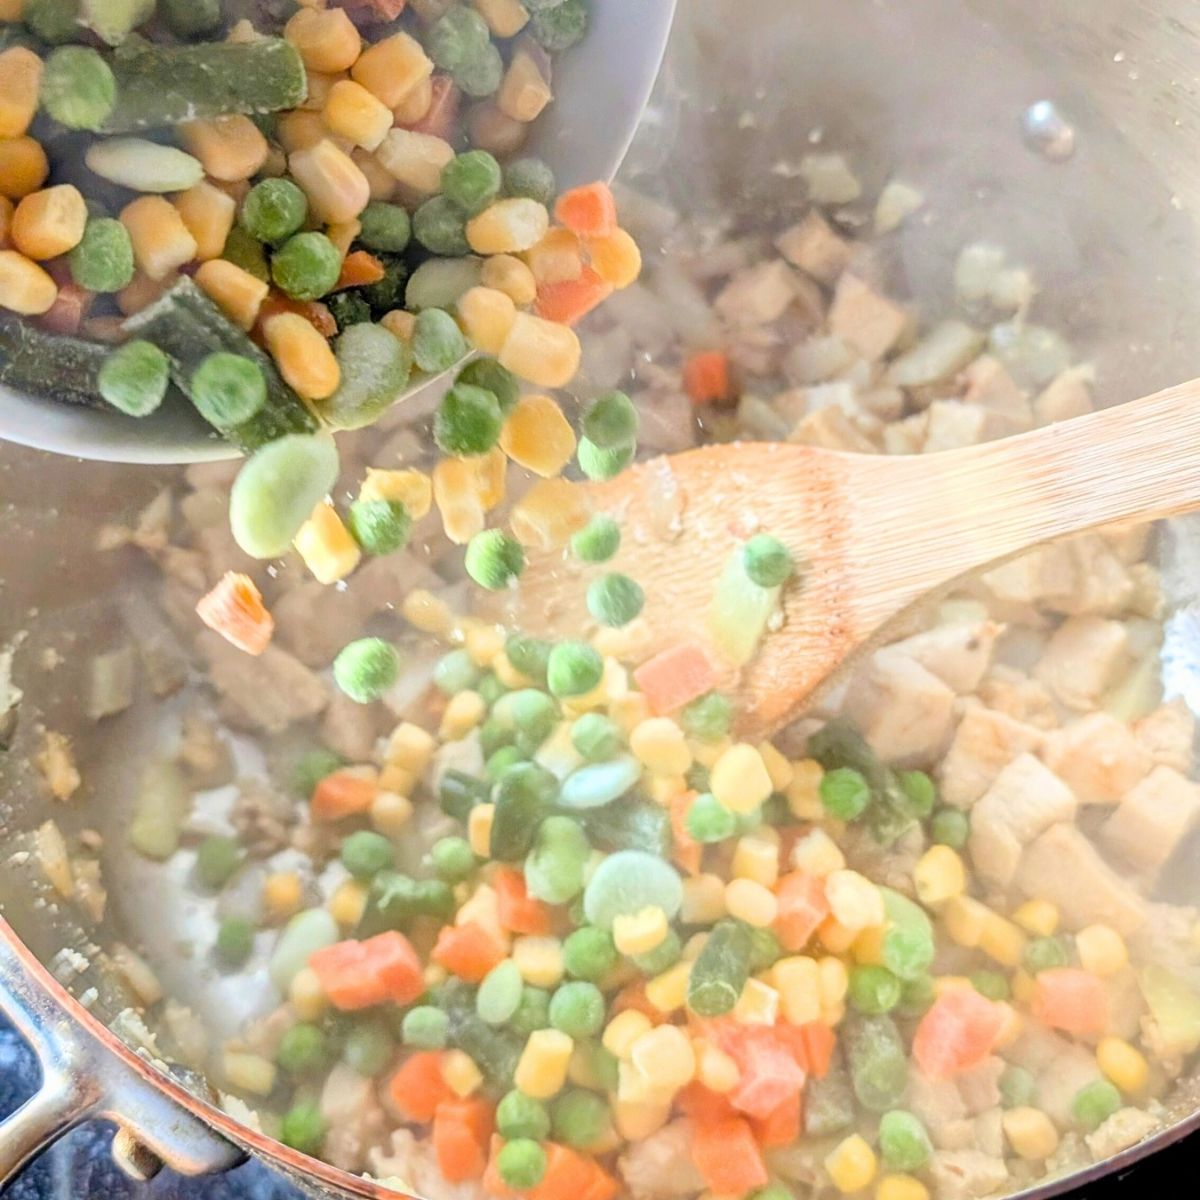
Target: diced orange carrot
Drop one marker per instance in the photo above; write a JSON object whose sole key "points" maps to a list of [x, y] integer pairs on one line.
{"points": [[467, 950], [359, 268], [819, 1041], [1070, 999], [235, 609], [802, 908], [958, 1032], [441, 116], [589, 211], [769, 1071], [518, 910], [418, 1087], [572, 299], [342, 794], [702, 1104], [569, 1175], [67, 312], [462, 1130], [676, 677], [317, 315], [728, 1157], [357, 975], [686, 852], [781, 1126], [633, 996], [706, 377]]}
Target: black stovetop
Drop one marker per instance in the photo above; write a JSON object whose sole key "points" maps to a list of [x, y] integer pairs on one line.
{"points": [[79, 1167]]}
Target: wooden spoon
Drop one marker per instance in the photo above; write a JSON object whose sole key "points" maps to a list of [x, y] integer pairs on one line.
{"points": [[874, 534]]}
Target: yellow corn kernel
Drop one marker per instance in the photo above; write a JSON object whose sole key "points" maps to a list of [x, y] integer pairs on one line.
{"points": [[694, 946], [616, 258], [415, 107], [778, 767], [756, 857], [634, 1121], [797, 980], [6, 216], [24, 287], [804, 792], [751, 902], [489, 129], [703, 900], [461, 1074], [11, 10], [231, 148], [491, 477], [393, 69], [23, 166], [391, 813], [320, 84], [300, 130], [542, 352], [537, 436], [833, 982], [237, 293], [539, 959], [20, 79], [49, 222], [668, 991], [628, 711], [1030, 1133], [1013, 1027], [306, 995], [1123, 1065], [1038, 917], [303, 356], [557, 258], [939, 875], [140, 292], [508, 675], [542, 1067], [640, 932], [662, 789], [248, 1072], [326, 546], [851, 1164], [855, 902], [400, 324], [965, 920], [337, 190], [835, 937], [901, 1187], [463, 713], [868, 946], [757, 1005], [1101, 950], [1002, 940], [508, 226], [525, 89], [413, 489], [397, 779], [549, 513], [381, 183], [455, 492], [347, 904], [664, 1055], [415, 159], [623, 1030], [715, 1069], [208, 214], [505, 18], [343, 235], [636, 1087], [739, 781], [508, 274], [354, 113], [818, 854], [705, 753], [325, 37], [949, 983], [410, 746], [161, 241], [479, 829], [486, 316], [660, 745], [282, 895], [427, 612], [1023, 986]]}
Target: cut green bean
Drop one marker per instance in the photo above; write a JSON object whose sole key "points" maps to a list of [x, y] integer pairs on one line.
{"points": [[720, 972], [523, 798], [52, 365], [192, 18], [395, 900], [878, 1062]]}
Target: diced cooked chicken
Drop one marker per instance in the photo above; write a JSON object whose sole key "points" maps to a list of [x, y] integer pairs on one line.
{"points": [[1167, 938], [1097, 757], [985, 742], [814, 247], [979, 1087], [864, 318], [904, 711], [992, 388], [907, 436], [1060, 1066], [1153, 818], [350, 728], [1092, 579], [831, 429], [267, 693], [1024, 800], [1068, 394], [1168, 734], [1126, 1004], [661, 1165], [355, 1118], [1083, 659], [953, 425], [958, 653], [1011, 692], [1125, 1128], [56, 763], [757, 295], [988, 1131], [966, 1174], [1130, 540], [1063, 866], [937, 1102]]}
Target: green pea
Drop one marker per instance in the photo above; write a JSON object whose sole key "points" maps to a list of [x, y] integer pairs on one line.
{"points": [[919, 791], [533, 1012], [532, 178], [577, 1009], [303, 1128], [472, 180], [1094, 1103], [273, 210], [709, 821], [437, 341], [494, 559], [615, 599], [597, 738], [425, 1028], [599, 464], [246, 251], [561, 27], [611, 422], [664, 956], [103, 260], [767, 561], [573, 669], [1043, 953], [456, 672], [579, 1118], [311, 767], [845, 794], [1017, 1087], [235, 941], [366, 853], [303, 1050], [379, 526], [385, 227], [521, 1163], [529, 655], [950, 827], [306, 266], [480, 76], [216, 860], [369, 1048], [456, 37], [227, 389], [589, 953], [917, 997], [490, 688], [134, 378], [53, 21], [992, 984], [597, 541], [707, 718], [468, 421], [903, 1141], [192, 18], [453, 859], [520, 1116], [365, 669], [488, 374], [439, 226], [873, 989]]}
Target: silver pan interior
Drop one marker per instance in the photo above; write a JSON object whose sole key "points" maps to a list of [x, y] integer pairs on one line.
{"points": [[933, 92]]}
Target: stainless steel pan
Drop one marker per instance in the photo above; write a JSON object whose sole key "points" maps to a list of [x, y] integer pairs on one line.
{"points": [[932, 91]]}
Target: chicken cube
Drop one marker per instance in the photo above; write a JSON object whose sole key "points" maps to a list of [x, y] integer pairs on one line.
{"points": [[985, 742], [1098, 758], [958, 653], [814, 247], [966, 1174], [1068, 394], [1083, 658], [992, 388], [1153, 818], [953, 425], [864, 318], [757, 295], [1168, 734], [1013, 693]]}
